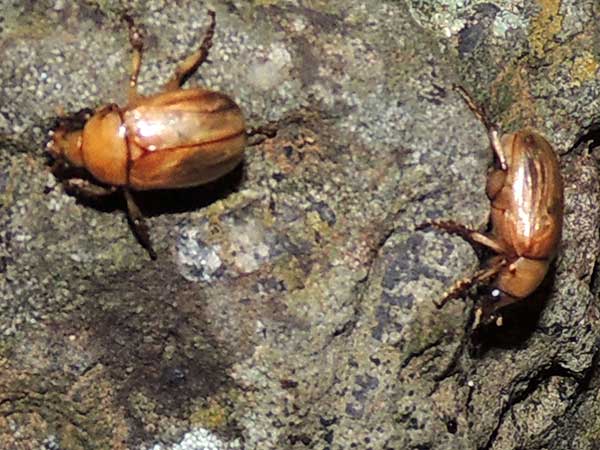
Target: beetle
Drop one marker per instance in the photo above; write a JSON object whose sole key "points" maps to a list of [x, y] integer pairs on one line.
{"points": [[525, 189], [176, 138]]}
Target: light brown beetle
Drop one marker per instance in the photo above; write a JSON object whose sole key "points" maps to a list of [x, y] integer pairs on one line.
{"points": [[174, 139], [526, 196]]}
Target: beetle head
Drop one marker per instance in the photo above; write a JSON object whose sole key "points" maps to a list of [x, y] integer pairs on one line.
{"points": [[487, 311], [66, 140], [66, 145]]}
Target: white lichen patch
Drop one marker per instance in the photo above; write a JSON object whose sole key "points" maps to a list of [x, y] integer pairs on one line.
{"points": [[271, 71], [506, 21], [197, 439], [440, 16]]}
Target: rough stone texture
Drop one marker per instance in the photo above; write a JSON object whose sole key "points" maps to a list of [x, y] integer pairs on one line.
{"points": [[291, 303]]}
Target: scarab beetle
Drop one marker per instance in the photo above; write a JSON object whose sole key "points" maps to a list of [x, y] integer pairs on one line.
{"points": [[526, 195], [174, 139]]}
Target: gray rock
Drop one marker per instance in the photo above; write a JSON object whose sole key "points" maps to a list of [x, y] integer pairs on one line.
{"points": [[291, 305]]}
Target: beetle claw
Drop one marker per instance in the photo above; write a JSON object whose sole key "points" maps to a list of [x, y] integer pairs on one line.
{"points": [[141, 231], [135, 36]]}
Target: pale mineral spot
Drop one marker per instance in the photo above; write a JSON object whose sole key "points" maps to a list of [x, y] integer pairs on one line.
{"points": [[250, 241], [197, 260]]}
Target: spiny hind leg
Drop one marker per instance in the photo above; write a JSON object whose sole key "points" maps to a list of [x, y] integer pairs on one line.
{"points": [[461, 286]]}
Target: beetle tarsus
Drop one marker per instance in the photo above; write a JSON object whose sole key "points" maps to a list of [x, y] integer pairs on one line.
{"points": [[135, 34], [137, 43], [138, 224], [196, 59], [477, 109], [141, 231]]}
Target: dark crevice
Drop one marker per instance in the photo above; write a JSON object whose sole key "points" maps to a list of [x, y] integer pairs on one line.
{"points": [[453, 364], [595, 278], [589, 137], [468, 400], [533, 384], [419, 352], [579, 396], [361, 285], [348, 327]]}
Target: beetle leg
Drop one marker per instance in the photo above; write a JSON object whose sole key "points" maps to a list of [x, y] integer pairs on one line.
{"points": [[261, 134], [491, 127], [195, 60], [83, 188], [59, 167], [138, 224], [135, 38], [461, 286], [468, 234], [495, 182]]}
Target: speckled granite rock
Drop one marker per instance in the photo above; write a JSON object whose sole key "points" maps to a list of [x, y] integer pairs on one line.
{"points": [[291, 303]]}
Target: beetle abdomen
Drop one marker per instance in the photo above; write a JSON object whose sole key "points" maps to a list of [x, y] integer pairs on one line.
{"points": [[520, 278]]}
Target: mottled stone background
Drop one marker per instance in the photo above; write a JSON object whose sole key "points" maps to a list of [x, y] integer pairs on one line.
{"points": [[291, 303]]}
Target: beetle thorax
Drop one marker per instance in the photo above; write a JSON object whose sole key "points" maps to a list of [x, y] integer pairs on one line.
{"points": [[104, 147]]}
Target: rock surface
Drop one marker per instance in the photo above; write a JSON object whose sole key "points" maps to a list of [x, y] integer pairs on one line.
{"points": [[291, 303]]}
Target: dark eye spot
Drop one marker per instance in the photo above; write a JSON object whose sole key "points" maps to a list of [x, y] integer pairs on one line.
{"points": [[529, 140]]}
